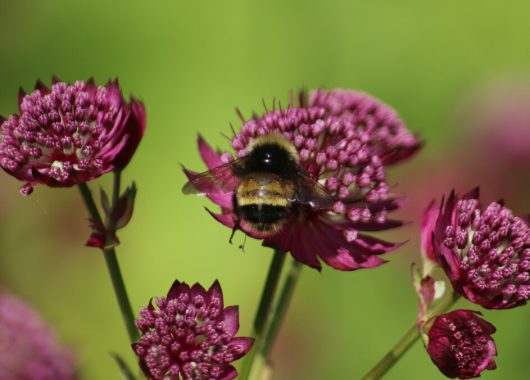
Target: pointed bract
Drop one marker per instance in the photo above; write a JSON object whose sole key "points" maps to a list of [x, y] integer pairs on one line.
{"points": [[105, 202], [98, 236], [428, 223], [425, 292], [122, 212]]}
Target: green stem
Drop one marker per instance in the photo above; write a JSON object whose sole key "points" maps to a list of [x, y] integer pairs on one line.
{"points": [[264, 308], [281, 309], [392, 356], [407, 341], [271, 284], [121, 294], [278, 316], [113, 268]]}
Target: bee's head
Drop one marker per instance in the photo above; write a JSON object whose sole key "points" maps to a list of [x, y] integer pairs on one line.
{"points": [[271, 153], [269, 157]]}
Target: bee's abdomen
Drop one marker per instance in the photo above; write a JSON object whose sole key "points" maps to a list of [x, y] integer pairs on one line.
{"points": [[262, 201], [262, 213]]}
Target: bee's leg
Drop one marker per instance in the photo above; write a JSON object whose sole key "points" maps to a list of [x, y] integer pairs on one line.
{"points": [[242, 246], [236, 227], [237, 223]]}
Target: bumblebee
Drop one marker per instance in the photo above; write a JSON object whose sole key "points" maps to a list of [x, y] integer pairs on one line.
{"points": [[268, 186]]}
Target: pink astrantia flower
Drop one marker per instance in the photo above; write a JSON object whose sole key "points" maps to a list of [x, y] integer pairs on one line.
{"points": [[29, 349], [190, 336], [346, 155], [485, 251], [460, 344], [70, 134]]}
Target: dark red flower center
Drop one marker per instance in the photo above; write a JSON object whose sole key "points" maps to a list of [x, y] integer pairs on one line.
{"points": [[469, 343]]}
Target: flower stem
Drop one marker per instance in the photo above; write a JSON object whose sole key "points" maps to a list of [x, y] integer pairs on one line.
{"points": [[264, 308], [269, 290], [121, 294], [407, 341], [281, 309], [392, 356], [261, 365], [113, 268]]}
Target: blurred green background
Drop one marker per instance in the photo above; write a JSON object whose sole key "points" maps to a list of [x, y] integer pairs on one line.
{"points": [[192, 62]]}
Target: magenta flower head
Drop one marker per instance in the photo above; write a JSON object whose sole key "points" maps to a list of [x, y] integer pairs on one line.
{"points": [[390, 138], [460, 344], [70, 134], [485, 251], [190, 336], [308, 181], [29, 348]]}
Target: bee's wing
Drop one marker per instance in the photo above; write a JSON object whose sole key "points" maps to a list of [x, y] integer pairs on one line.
{"points": [[311, 192], [220, 179]]}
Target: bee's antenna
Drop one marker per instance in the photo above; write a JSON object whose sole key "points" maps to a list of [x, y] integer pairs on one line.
{"points": [[241, 117]]}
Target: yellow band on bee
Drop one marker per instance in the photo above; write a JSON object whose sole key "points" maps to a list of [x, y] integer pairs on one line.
{"points": [[257, 200]]}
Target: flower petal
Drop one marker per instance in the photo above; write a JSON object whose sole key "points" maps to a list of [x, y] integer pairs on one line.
{"points": [[242, 346], [211, 158], [375, 246], [428, 224], [21, 95], [215, 292], [39, 85], [176, 289], [135, 128], [374, 226], [294, 238], [228, 373], [231, 318], [228, 220], [198, 291]]}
